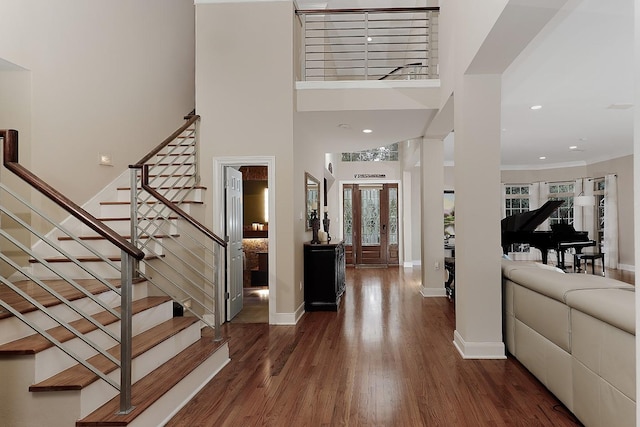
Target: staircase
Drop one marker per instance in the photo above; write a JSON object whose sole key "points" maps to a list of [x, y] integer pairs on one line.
{"points": [[77, 275]]}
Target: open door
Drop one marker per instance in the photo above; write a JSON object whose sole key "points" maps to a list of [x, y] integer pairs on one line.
{"points": [[233, 199]]}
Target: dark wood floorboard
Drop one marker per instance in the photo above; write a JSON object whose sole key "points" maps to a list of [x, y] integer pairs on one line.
{"points": [[386, 358]]}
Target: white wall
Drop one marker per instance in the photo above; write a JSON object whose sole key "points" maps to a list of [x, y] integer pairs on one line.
{"points": [[244, 116], [105, 77]]}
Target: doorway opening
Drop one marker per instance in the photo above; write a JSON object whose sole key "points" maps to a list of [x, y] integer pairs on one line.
{"points": [[370, 221], [249, 287]]}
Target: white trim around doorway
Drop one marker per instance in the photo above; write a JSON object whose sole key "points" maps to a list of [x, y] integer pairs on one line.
{"points": [[401, 235], [219, 163]]}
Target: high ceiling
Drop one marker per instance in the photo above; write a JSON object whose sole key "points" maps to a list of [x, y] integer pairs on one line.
{"points": [[579, 69]]}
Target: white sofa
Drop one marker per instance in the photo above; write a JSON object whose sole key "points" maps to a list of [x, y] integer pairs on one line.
{"points": [[576, 334]]}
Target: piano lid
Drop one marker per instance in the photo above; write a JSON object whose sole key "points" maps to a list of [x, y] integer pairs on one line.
{"points": [[529, 221]]}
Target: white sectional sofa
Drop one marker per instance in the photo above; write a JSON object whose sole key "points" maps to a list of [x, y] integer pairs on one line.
{"points": [[576, 334]]}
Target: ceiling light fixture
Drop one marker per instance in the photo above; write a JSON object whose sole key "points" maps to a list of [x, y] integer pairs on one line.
{"points": [[369, 39], [366, 131], [573, 147], [535, 107], [542, 157]]}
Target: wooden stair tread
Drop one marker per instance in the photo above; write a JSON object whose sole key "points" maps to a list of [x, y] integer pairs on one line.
{"points": [[153, 386], [62, 259], [98, 237], [199, 187], [151, 202], [126, 218], [37, 343], [78, 377], [43, 297]]}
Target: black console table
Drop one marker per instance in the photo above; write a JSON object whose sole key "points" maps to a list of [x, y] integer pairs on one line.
{"points": [[324, 276]]}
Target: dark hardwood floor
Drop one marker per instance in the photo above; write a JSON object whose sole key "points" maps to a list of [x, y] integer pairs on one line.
{"points": [[386, 358]]}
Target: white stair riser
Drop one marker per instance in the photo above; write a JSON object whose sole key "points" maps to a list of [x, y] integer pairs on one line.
{"points": [[53, 360], [172, 169], [94, 396], [13, 329], [70, 269], [124, 210], [124, 227], [106, 248], [194, 194], [169, 181]]}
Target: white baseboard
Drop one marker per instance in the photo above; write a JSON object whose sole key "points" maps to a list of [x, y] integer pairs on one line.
{"points": [[433, 292], [286, 318], [478, 350], [412, 264], [627, 267]]}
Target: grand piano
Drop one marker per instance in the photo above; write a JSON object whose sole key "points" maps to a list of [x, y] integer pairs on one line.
{"points": [[521, 228]]}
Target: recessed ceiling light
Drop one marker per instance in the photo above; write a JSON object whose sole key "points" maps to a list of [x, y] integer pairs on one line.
{"points": [[366, 131], [573, 147], [369, 39], [542, 157], [535, 107]]}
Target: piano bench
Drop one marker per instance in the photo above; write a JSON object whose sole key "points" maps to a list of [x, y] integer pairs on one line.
{"points": [[578, 258]]}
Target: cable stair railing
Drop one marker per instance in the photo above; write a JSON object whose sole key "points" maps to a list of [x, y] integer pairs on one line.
{"points": [[369, 43], [24, 223], [187, 263]]}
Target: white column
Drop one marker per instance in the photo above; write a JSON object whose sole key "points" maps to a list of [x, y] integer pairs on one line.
{"points": [[407, 226], [636, 183], [432, 253], [478, 333]]}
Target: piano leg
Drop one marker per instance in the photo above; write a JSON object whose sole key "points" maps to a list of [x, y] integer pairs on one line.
{"points": [[560, 255], [545, 255]]}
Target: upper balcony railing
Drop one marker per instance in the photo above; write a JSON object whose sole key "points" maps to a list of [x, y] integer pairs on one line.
{"points": [[369, 44]]}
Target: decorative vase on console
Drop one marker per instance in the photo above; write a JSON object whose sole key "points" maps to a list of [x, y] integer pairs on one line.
{"points": [[325, 224], [314, 221]]}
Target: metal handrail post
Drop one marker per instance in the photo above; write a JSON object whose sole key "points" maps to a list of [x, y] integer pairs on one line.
{"points": [[217, 302], [125, 333], [304, 48], [366, 45], [196, 160], [429, 53], [133, 214]]}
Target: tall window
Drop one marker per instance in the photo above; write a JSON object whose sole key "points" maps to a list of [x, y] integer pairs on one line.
{"points": [[562, 191], [517, 201], [348, 216]]}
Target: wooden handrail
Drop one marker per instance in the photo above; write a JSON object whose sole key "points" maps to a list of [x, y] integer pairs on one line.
{"points": [[145, 185], [10, 161], [369, 10], [192, 119]]}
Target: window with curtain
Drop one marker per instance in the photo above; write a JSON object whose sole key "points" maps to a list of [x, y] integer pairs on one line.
{"points": [[562, 191], [598, 192], [516, 201]]}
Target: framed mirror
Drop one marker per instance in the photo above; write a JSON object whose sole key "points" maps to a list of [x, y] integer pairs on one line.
{"points": [[312, 197]]}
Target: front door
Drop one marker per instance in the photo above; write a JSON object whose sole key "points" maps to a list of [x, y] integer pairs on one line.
{"points": [[371, 224], [233, 197]]}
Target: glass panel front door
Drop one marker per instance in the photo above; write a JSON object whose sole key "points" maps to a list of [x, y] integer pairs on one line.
{"points": [[370, 223]]}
